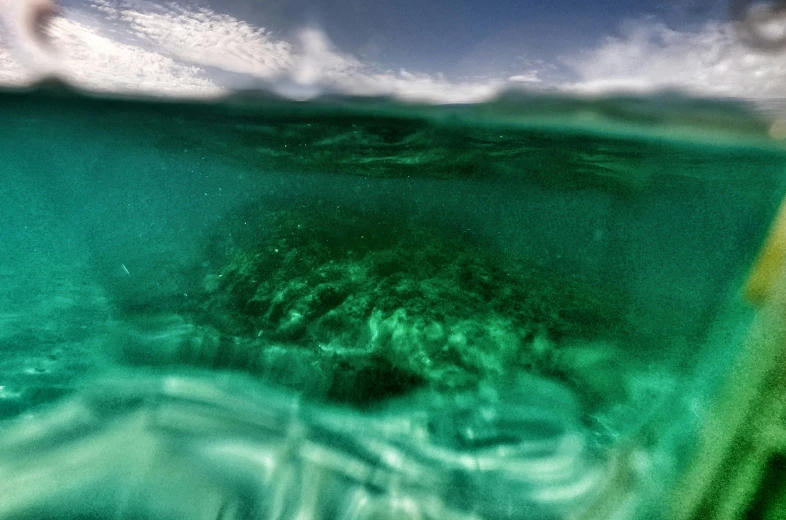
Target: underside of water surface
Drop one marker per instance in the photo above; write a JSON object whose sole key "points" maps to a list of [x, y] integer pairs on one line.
{"points": [[382, 260]]}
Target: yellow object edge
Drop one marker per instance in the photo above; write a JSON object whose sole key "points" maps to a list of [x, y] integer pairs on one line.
{"points": [[769, 263]]}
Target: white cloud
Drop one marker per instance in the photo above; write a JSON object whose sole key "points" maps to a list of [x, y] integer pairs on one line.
{"points": [[528, 77], [317, 61], [422, 87], [87, 59], [710, 60], [173, 51], [92, 61], [318, 64], [204, 38], [12, 73]]}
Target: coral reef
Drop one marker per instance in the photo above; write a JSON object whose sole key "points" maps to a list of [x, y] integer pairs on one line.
{"points": [[375, 304]]}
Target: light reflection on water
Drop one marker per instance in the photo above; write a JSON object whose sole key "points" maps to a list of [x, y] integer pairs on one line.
{"points": [[197, 446]]}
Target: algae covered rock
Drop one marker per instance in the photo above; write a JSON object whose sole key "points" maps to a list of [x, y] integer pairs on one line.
{"points": [[383, 304]]}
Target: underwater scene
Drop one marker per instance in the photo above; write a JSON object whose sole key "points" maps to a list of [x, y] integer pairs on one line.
{"points": [[359, 308]]}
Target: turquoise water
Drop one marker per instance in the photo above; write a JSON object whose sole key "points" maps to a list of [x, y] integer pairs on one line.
{"points": [[455, 311]]}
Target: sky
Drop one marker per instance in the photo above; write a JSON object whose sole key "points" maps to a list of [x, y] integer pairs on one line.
{"points": [[421, 50]]}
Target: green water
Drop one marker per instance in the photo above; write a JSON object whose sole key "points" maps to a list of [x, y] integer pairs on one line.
{"points": [[365, 256]]}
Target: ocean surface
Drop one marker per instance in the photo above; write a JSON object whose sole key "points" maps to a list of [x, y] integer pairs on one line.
{"points": [[359, 308]]}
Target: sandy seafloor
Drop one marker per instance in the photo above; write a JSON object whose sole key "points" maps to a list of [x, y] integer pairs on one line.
{"points": [[53, 324]]}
